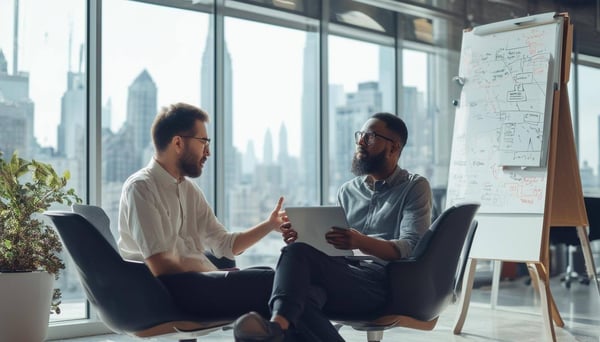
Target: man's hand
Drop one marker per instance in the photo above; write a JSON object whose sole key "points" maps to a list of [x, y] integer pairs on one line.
{"points": [[288, 233], [345, 238]]}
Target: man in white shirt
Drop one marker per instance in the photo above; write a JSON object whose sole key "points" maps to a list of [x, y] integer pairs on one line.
{"points": [[166, 222]]}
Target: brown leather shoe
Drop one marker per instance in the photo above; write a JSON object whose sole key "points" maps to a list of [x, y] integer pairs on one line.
{"points": [[252, 327]]}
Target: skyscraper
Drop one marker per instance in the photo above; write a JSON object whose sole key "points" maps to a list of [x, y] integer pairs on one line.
{"points": [[231, 173], [71, 130], [348, 119], [16, 112], [268, 148], [124, 152], [141, 110]]}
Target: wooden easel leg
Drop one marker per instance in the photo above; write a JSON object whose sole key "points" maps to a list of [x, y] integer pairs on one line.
{"points": [[497, 272], [546, 298], [535, 284], [465, 295], [587, 255]]}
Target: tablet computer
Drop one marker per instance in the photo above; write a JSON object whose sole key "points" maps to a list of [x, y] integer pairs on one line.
{"points": [[312, 223]]}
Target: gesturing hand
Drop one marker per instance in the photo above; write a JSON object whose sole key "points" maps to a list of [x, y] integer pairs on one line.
{"points": [[277, 216]]}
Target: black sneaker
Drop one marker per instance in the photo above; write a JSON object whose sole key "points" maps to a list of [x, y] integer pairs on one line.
{"points": [[252, 327]]}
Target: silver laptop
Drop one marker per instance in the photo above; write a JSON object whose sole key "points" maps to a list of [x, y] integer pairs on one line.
{"points": [[312, 223]]}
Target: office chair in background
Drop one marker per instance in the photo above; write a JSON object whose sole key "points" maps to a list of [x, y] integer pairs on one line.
{"points": [[568, 236]]}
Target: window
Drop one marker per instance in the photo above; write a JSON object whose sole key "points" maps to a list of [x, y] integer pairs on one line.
{"points": [[589, 127], [271, 127], [42, 101], [160, 60], [417, 156], [361, 83]]}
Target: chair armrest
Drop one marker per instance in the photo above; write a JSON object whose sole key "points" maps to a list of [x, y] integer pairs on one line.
{"points": [[414, 292]]}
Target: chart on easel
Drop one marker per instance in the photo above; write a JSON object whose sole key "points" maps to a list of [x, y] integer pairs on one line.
{"points": [[502, 119], [513, 147]]}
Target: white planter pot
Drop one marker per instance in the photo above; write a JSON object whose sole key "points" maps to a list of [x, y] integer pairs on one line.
{"points": [[25, 299]]}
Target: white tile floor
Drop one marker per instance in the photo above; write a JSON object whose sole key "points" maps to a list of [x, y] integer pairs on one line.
{"points": [[517, 318]]}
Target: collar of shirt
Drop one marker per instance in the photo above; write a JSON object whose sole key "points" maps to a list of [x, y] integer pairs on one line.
{"points": [[160, 173], [399, 175]]}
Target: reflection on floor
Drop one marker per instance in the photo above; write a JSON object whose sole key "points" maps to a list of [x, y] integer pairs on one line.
{"points": [[517, 318]]}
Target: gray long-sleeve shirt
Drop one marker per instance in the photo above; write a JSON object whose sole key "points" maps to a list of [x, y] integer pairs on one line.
{"points": [[396, 209]]}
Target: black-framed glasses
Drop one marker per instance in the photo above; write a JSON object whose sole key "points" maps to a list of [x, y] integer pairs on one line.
{"points": [[369, 137], [206, 141]]}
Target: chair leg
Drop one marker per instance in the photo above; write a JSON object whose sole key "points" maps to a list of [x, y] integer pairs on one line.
{"points": [[374, 335]]}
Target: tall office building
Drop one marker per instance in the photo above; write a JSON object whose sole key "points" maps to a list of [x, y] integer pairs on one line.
{"points": [[310, 123], [231, 173], [107, 115], [71, 130], [119, 158], [249, 162], [16, 112], [417, 155], [268, 148], [141, 110], [283, 157], [348, 119], [124, 152]]}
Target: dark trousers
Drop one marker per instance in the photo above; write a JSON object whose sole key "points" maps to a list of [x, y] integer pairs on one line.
{"points": [[349, 288], [231, 294], [222, 294]]}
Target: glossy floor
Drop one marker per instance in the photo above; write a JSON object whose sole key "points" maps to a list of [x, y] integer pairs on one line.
{"points": [[516, 318]]}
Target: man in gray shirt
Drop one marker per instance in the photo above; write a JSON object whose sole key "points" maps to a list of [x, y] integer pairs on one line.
{"points": [[389, 210]]}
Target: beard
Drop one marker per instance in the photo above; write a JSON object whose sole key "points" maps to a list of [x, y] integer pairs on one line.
{"points": [[368, 163], [189, 165]]}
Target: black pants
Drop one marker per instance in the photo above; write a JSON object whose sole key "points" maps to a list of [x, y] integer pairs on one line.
{"points": [[222, 294], [350, 288], [229, 295]]}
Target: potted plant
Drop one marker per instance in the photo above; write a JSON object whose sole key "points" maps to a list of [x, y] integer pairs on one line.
{"points": [[29, 247]]}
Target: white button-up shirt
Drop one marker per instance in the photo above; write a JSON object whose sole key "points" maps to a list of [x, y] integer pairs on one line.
{"points": [[159, 214]]}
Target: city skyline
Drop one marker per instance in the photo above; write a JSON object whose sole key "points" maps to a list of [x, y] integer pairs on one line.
{"points": [[59, 47]]}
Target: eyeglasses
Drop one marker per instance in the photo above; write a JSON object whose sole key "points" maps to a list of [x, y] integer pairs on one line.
{"points": [[205, 141], [369, 137]]}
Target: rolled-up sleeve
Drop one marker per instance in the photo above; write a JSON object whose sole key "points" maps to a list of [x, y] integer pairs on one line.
{"points": [[415, 217], [213, 237]]}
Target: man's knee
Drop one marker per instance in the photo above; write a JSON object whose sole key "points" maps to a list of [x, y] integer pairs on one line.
{"points": [[299, 248]]}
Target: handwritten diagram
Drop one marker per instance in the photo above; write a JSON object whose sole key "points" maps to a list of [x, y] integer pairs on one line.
{"points": [[501, 128]]}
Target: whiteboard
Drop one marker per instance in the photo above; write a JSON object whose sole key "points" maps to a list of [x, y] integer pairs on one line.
{"points": [[509, 238], [502, 122]]}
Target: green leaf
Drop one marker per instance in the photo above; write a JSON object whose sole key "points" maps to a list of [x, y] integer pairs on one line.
{"points": [[7, 244]]}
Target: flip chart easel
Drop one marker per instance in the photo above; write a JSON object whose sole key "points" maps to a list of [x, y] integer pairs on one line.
{"points": [[513, 149]]}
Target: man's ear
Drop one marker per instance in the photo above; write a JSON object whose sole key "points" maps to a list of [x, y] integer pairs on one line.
{"points": [[177, 143], [398, 147]]}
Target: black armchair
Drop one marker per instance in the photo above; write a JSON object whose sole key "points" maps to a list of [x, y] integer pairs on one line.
{"points": [[127, 297], [422, 286]]}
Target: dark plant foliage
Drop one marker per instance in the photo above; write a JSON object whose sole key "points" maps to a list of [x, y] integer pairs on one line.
{"points": [[27, 243]]}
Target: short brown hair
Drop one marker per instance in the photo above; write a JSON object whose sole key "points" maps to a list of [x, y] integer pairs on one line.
{"points": [[176, 119]]}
